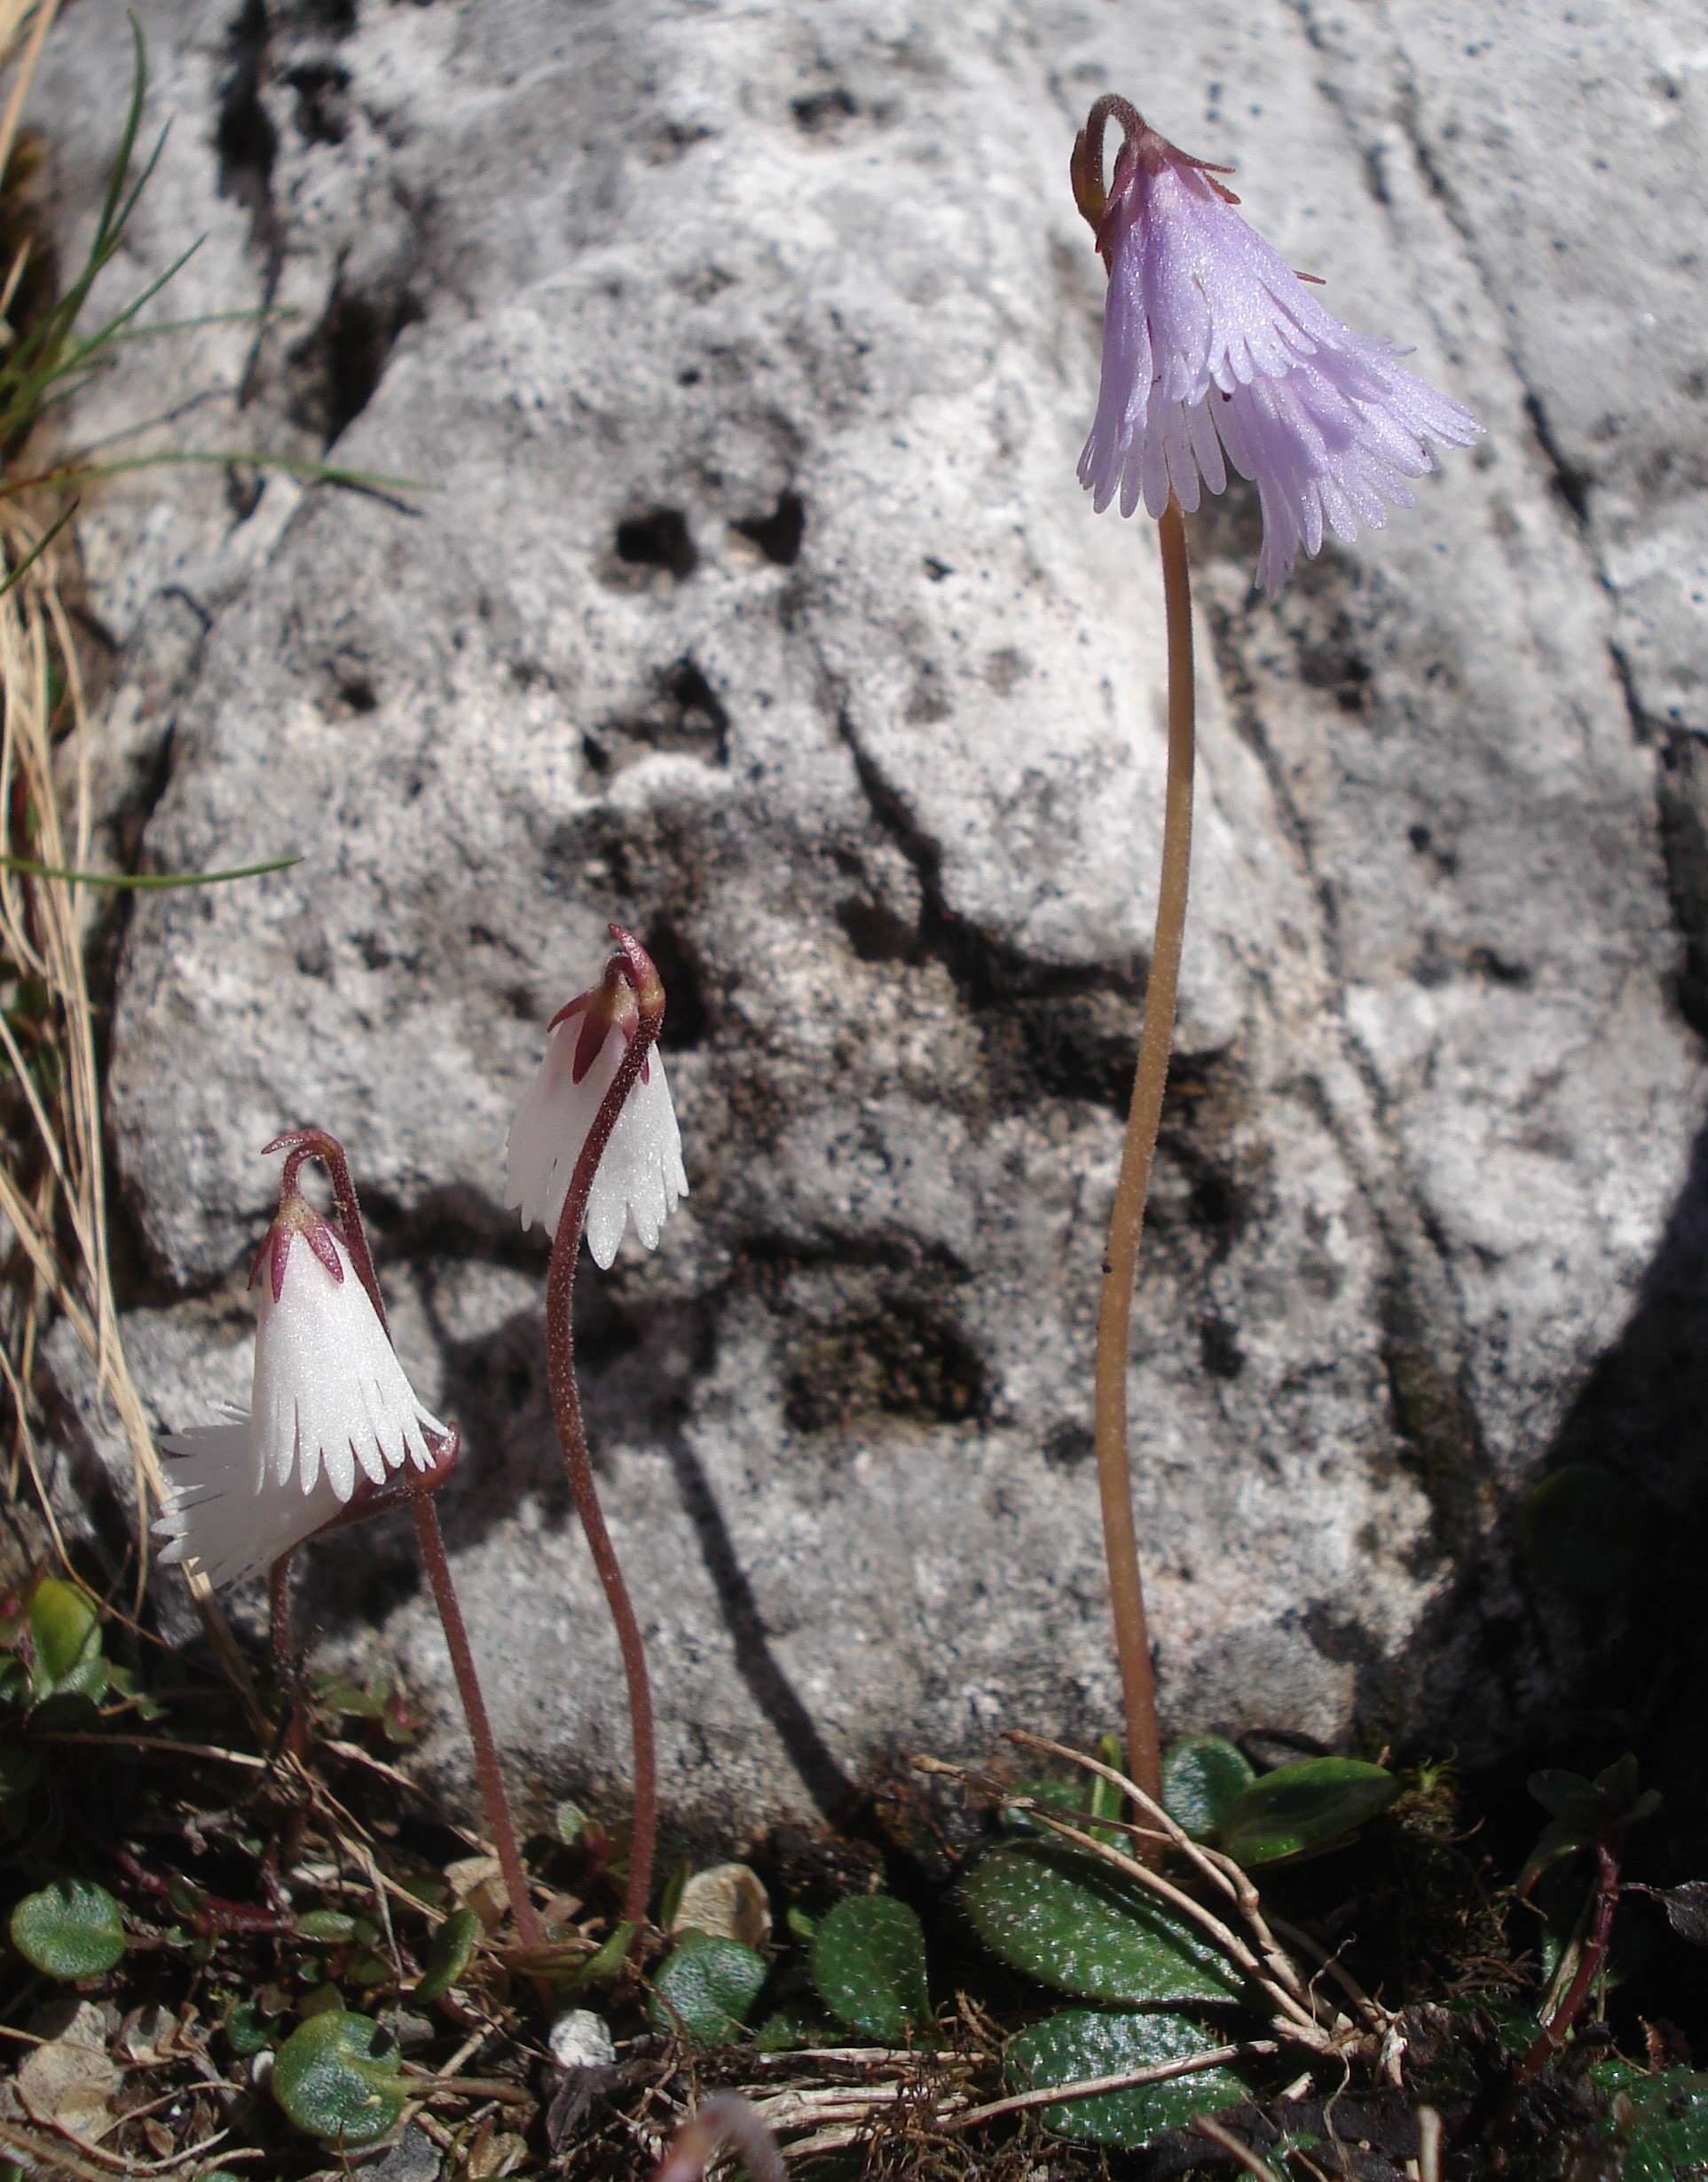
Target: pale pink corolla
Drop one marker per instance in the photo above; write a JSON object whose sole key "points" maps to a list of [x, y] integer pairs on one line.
{"points": [[1213, 346]]}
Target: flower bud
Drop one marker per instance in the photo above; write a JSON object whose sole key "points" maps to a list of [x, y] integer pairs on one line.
{"points": [[640, 1173]]}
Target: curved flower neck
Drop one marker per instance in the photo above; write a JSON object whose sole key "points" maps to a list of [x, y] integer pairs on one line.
{"points": [[1143, 151], [629, 994]]}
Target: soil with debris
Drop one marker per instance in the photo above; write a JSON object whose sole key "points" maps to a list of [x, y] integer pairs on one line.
{"points": [[273, 1863]]}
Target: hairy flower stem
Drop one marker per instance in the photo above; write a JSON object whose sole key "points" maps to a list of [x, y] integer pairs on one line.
{"points": [[315, 1143], [1114, 1311], [1553, 2036], [280, 1631], [480, 1727], [566, 1403]]}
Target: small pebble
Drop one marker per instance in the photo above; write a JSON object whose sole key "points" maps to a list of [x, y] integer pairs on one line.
{"points": [[580, 2040]]}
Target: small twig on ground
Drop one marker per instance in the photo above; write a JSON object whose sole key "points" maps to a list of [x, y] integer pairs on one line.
{"points": [[1428, 2145], [376, 1880], [1095, 2087], [1231, 2145], [1221, 1869], [1374, 2017]]}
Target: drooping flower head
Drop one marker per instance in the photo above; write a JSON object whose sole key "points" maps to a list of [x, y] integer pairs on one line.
{"points": [[333, 1431], [1213, 346], [640, 1173]]}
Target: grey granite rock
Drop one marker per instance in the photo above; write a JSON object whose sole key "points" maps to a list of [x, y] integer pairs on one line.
{"points": [[746, 352]]}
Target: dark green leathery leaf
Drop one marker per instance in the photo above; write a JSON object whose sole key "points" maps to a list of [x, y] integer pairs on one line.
{"points": [[1568, 1796], [706, 1989], [1082, 2044], [70, 1930], [1201, 1776], [1661, 2120], [1063, 1917], [1304, 1807], [336, 2077], [868, 1965]]}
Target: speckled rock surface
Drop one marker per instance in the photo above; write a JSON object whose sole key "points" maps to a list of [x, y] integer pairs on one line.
{"points": [[746, 352]]}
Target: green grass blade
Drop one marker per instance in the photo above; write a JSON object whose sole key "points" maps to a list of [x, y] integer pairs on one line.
{"points": [[38, 550], [143, 881], [294, 465], [30, 397], [260, 315], [128, 140]]}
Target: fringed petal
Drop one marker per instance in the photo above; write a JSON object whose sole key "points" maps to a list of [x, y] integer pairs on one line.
{"points": [[1213, 345]]}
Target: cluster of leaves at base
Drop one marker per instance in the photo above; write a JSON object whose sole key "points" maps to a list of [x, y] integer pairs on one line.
{"points": [[865, 1975], [1065, 1918], [1074, 1922]]}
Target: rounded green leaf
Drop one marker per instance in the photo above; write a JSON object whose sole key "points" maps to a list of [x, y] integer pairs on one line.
{"points": [[71, 1929], [452, 1945], [63, 1623], [868, 1965], [336, 2077], [1080, 2044], [707, 1987], [1201, 1776], [1582, 1529], [1063, 1917], [247, 2031], [327, 1926], [1303, 1806]]}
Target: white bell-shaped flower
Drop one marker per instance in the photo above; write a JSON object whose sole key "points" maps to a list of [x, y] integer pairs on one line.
{"points": [[332, 1417], [640, 1173]]}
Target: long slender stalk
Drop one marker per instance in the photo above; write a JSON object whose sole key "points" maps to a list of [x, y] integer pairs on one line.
{"points": [[315, 1143], [480, 1727], [566, 1403], [1114, 1313]]}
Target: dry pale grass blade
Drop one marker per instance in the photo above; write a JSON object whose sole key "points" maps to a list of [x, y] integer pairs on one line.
{"points": [[62, 1231], [13, 16]]}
